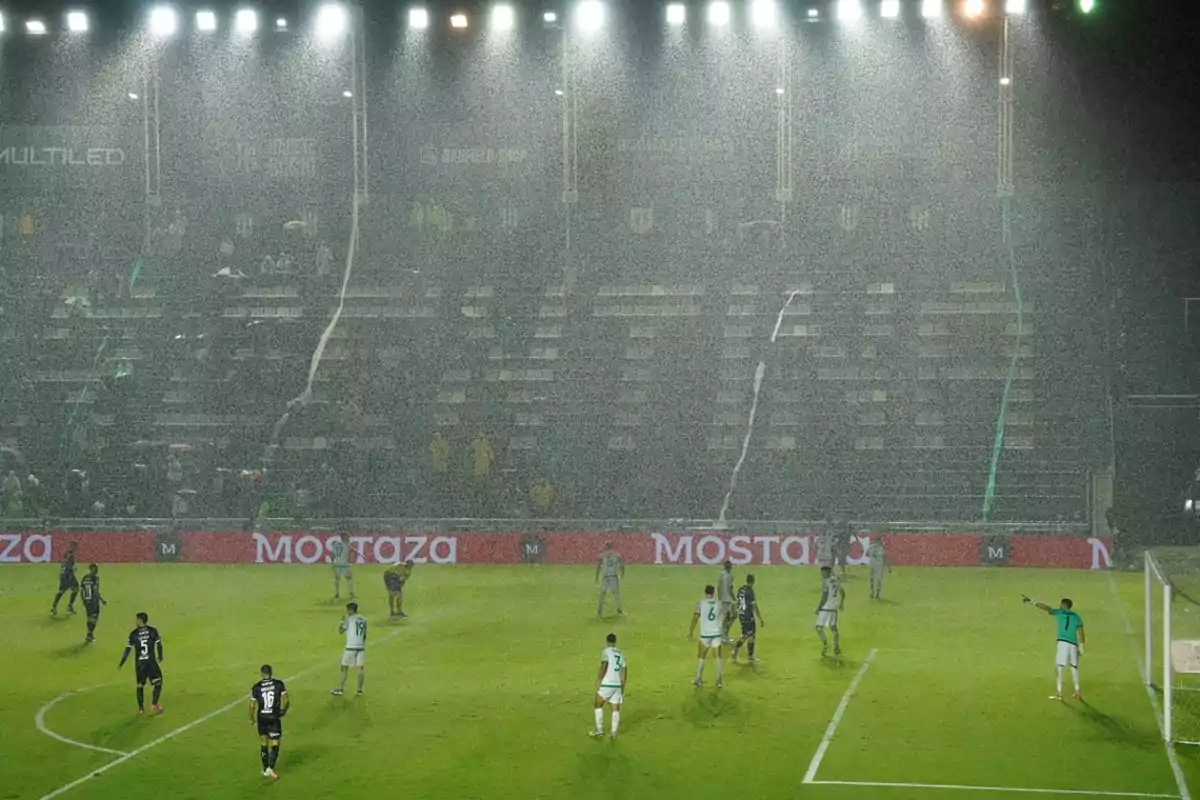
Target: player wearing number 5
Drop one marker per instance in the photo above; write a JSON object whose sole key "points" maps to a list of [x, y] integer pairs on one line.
{"points": [[268, 704], [147, 644], [1070, 641], [354, 625], [610, 685]]}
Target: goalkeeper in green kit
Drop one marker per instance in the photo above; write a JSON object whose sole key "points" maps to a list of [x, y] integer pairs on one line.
{"points": [[1070, 641]]}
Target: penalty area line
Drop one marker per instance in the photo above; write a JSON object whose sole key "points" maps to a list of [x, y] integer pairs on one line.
{"points": [[819, 756], [1010, 789], [181, 729], [40, 721]]}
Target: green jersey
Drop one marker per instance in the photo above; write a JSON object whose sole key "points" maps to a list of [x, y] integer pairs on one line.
{"points": [[341, 553], [1069, 625]]}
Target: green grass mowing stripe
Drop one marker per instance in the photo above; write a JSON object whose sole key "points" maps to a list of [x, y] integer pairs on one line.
{"points": [[182, 729], [1010, 789], [819, 756]]}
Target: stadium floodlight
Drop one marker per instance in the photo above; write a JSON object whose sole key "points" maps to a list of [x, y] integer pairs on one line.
{"points": [[245, 21], [206, 21], [931, 9], [281, 24], [591, 15], [973, 9], [849, 10], [504, 17], [77, 21], [331, 20], [458, 21], [35, 27], [163, 21], [347, 94], [1014, 6], [763, 13], [550, 17], [890, 9], [1087, 6], [718, 13], [676, 14], [418, 18], [134, 96], [2, 23], [813, 13]]}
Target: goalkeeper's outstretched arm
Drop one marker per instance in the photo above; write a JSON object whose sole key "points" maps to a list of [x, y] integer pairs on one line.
{"points": [[1036, 604]]}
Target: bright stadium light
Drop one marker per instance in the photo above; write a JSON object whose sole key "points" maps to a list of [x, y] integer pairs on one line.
{"points": [[550, 17], [676, 14], [458, 21], [1087, 6], [77, 22], [973, 9], [718, 13], [763, 13], [331, 20], [849, 10], [246, 21], [418, 18], [35, 27], [591, 15], [281, 24], [2, 23], [163, 21], [133, 96], [890, 9], [504, 17], [347, 94], [1014, 6], [813, 13], [206, 21], [931, 9]]}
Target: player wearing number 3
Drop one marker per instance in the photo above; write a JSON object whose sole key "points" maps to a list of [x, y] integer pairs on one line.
{"points": [[610, 685], [268, 704], [1070, 641]]}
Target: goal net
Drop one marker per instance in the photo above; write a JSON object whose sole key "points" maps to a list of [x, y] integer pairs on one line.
{"points": [[1172, 633]]}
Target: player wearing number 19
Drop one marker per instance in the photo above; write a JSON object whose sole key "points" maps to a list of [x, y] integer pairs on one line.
{"points": [[354, 625], [268, 704], [1070, 639], [146, 642], [610, 685]]}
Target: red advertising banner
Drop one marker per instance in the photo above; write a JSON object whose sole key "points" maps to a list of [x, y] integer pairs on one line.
{"points": [[928, 549]]}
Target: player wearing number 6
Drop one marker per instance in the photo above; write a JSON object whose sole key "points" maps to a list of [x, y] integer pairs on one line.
{"points": [[610, 685], [711, 617], [354, 625], [268, 704], [1070, 638]]}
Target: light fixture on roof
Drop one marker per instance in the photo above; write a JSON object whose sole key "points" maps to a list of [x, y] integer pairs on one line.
{"points": [[591, 15], [931, 9], [1015, 6], [331, 20], [163, 21], [676, 14], [418, 18], [849, 11], [458, 21], [245, 21], [974, 9], [718, 13], [890, 9], [77, 21], [763, 13], [503, 17], [206, 21], [550, 16], [35, 27], [281, 24]]}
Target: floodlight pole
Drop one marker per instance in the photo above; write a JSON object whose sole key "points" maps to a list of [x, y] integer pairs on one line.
{"points": [[784, 188], [1004, 162], [358, 46], [570, 138]]}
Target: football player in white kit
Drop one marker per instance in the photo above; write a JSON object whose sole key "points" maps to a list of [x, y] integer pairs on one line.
{"points": [[610, 685], [354, 625], [833, 600], [709, 614]]}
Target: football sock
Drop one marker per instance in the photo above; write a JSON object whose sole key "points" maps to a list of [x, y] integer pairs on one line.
{"points": [[599, 719], [362, 676], [57, 597], [337, 585], [141, 695], [262, 753], [350, 585], [718, 669], [837, 639], [91, 627], [616, 721], [750, 648], [821, 633], [273, 757], [700, 669], [1075, 676], [345, 673], [71, 599], [157, 693], [1058, 674]]}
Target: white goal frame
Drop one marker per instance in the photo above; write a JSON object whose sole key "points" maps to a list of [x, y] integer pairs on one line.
{"points": [[1154, 573]]}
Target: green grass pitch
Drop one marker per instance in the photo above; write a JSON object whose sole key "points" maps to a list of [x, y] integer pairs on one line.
{"points": [[485, 691]]}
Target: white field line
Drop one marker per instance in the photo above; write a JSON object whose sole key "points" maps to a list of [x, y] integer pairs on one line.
{"points": [[1074, 792], [819, 756], [40, 721], [1172, 757], [182, 729]]}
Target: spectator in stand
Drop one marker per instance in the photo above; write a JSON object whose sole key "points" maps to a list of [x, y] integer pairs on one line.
{"points": [[35, 497], [76, 486], [11, 487], [174, 471], [439, 456], [481, 457], [541, 496]]}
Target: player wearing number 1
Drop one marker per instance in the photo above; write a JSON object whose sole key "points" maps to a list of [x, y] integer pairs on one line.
{"points": [[354, 625], [268, 705], [610, 685], [1070, 640], [712, 633]]}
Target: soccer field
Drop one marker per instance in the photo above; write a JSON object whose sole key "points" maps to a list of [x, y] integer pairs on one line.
{"points": [[485, 691]]}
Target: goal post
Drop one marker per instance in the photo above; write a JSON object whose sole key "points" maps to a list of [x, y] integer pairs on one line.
{"points": [[1173, 662]]}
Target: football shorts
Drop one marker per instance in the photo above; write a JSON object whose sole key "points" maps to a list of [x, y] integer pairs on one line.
{"points": [[827, 619], [1067, 655], [353, 658], [611, 694]]}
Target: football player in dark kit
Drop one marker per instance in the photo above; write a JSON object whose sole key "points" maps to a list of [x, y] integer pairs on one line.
{"points": [[146, 642], [268, 704], [90, 589], [66, 580]]}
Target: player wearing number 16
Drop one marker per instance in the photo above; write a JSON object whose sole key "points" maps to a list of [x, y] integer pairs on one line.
{"points": [[354, 625], [610, 685], [147, 646], [268, 704]]}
